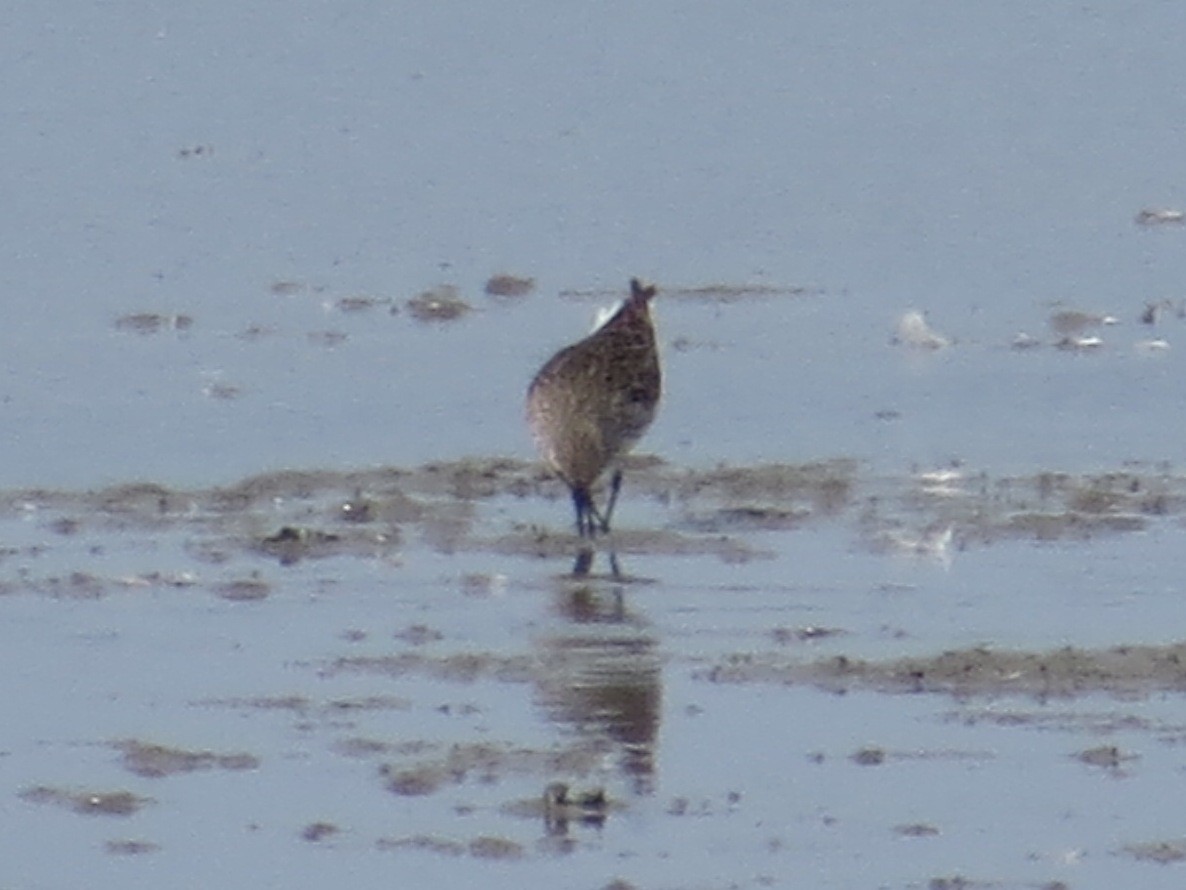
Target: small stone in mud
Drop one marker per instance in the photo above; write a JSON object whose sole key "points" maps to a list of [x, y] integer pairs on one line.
{"points": [[509, 286], [439, 304], [869, 756], [318, 831]]}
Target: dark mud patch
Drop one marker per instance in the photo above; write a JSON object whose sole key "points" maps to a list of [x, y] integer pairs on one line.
{"points": [[130, 847], [481, 847], [703, 807], [328, 339], [441, 304], [304, 707], [1160, 852], [1061, 673], [733, 514], [506, 285], [561, 806], [875, 755], [88, 803], [291, 544], [429, 768], [316, 832], [157, 761], [361, 303], [786, 636], [916, 829], [464, 667], [542, 543], [153, 323], [1072, 721], [244, 590], [1107, 757]]}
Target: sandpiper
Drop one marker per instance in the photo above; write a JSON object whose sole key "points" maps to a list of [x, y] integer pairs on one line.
{"points": [[593, 400]]}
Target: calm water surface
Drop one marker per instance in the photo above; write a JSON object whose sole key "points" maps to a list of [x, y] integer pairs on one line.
{"points": [[250, 167]]}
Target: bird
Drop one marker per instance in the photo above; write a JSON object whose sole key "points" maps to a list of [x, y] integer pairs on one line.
{"points": [[592, 401]]}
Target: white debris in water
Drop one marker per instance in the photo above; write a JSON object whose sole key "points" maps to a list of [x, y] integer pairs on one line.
{"points": [[1156, 346], [942, 483], [940, 477], [1025, 341], [933, 543], [914, 331], [1160, 216], [1080, 343]]}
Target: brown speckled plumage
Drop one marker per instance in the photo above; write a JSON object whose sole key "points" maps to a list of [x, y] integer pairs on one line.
{"points": [[593, 400]]}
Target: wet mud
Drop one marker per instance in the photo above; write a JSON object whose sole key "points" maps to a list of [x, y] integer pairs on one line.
{"points": [[726, 512], [1061, 673], [600, 677]]}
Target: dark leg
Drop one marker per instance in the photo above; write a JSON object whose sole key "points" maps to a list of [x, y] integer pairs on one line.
{"points": [[615, 486], [589, 518], [583, 505], [583, 563]]}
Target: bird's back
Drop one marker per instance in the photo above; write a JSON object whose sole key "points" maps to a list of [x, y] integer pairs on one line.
{"points": [[594, 399]]}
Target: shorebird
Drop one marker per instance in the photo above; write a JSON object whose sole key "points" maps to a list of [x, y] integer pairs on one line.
{"points": [[593, 400]]}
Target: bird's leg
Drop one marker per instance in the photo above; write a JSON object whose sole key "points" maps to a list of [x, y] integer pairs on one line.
{"points": [[589, 518], [615, 486], [583, 562], [583, 504]]}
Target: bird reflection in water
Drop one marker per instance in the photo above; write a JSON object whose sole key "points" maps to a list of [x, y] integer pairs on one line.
{"points": [[604, 677]]}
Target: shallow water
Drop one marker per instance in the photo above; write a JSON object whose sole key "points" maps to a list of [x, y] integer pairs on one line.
{"points": [[891, 616]]}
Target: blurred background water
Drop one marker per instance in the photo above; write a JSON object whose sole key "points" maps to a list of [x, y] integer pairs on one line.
{"points": [[978, 164]]}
